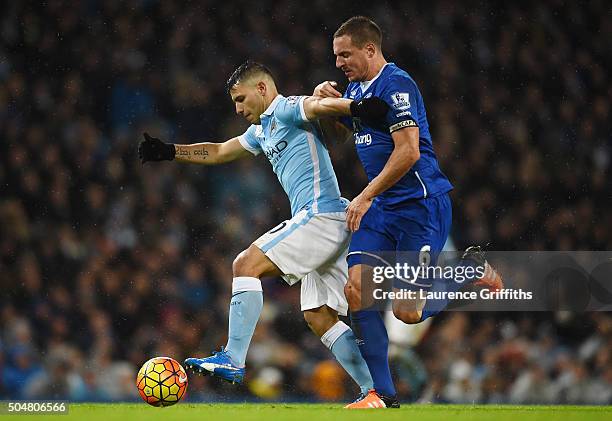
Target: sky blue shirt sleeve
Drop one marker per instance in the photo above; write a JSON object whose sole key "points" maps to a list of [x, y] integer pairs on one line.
{"points": [[249, 141], [402, 95], [291, 111]]}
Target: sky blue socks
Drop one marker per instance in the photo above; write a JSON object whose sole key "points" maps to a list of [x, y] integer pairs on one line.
{"points": [[341, 340], [245, 308]]}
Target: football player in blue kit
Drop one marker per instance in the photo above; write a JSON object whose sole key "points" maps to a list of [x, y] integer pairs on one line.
{"points": [[404, 208]]}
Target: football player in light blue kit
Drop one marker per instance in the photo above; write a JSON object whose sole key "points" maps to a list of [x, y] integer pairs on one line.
{"points": [[311, 247]]}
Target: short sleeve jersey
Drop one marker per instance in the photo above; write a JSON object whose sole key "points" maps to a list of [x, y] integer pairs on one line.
{"points": [[375, 144], [294, 147]]}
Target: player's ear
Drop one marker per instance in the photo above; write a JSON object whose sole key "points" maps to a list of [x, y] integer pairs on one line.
{"points": [[261, 88], [370, 49]]}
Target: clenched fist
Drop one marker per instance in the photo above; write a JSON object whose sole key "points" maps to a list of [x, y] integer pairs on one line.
{"points": [[153, 149]]}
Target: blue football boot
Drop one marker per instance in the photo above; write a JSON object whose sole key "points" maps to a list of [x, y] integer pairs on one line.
{"points": [[219, 364]]}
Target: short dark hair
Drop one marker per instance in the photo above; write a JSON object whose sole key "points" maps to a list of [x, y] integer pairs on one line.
{"points": [[361, 30], [246, 70]]}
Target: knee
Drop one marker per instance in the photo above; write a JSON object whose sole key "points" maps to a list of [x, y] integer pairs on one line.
{"points": [[407, 316], [353, 296], [243, 265]]}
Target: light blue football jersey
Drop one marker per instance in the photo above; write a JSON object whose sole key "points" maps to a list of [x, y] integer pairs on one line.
{"points": [[294, 147]]}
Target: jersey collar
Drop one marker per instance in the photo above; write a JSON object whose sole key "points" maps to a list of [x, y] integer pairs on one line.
{"points": [[272, 105], [365, 85]]}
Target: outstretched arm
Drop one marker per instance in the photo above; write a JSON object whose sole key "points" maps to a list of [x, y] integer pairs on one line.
{"points": [[332, 128], [211, 153], [317, 107], [153, 149], [369, 109]]}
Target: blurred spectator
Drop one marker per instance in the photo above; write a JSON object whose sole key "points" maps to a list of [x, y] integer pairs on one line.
{"points": [[20, 370], [328, 380]]}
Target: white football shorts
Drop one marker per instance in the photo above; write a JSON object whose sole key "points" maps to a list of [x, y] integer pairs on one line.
{"points": [[312, 248]]}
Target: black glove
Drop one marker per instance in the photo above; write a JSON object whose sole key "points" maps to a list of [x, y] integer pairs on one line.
{"points": [[371, 111], [153, 149]]}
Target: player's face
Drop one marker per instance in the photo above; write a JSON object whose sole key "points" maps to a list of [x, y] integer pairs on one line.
{"points": [[352, 60], [249, 101]]}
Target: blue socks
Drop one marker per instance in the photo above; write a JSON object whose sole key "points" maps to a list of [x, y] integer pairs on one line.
{"points": [[373, 343], [245, 308], [342, 343]]}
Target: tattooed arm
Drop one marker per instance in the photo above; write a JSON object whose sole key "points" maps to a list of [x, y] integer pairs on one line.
{"points": [[211, 153]]}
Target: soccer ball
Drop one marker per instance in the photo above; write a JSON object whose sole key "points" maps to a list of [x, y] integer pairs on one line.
{"points": [[161, 381]]}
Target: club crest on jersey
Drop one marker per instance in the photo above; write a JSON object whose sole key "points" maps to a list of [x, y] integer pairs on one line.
{"points": [[353, 93], [401, 100]]}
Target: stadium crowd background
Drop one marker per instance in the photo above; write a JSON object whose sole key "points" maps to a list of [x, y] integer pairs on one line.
{"points": [[105, 263]]}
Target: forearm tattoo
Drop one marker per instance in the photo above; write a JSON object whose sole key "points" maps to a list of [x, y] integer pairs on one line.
{"points": [[201, 152], [184, 152]]}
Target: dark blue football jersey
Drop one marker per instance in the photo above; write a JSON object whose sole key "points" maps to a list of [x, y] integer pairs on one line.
{"points": [[375, 145]]}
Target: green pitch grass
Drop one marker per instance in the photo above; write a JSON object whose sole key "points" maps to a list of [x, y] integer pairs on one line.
{"points": [[311, 412]]}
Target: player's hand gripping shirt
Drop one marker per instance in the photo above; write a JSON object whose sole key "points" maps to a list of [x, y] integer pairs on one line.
{"points": [[293, 146], [375, 145]]}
